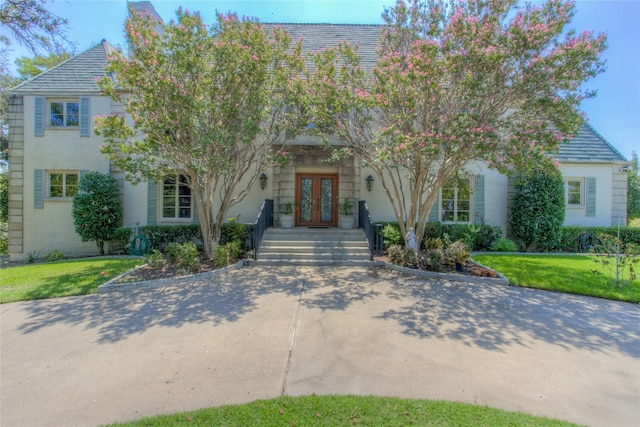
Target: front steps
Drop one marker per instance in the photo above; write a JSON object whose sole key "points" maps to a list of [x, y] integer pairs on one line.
{"points": [[313, 246]]}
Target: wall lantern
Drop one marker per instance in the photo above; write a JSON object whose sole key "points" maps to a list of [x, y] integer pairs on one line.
{"points": [[369, 182], [263, 181]]}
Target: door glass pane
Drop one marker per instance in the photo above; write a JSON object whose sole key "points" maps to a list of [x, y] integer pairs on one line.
{"points": [[305, 199], [326, 197]]}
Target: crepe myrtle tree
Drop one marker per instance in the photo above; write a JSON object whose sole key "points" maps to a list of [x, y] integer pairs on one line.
{"points": [[455, 81], [214, 104]]}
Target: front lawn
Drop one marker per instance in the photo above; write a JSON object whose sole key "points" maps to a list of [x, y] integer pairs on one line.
{"points": [[347, 411], [60, 279], [563, 273]]}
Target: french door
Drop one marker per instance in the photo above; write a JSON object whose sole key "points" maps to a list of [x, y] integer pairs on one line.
{"points": [[316, 197]]}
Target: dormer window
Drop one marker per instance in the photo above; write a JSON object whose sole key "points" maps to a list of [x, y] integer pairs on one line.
{"points": [[64, 114]]}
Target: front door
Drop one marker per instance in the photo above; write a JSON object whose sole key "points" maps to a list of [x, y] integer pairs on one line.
{"points": [[316, 197]]}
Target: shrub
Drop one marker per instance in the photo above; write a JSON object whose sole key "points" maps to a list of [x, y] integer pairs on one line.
{"points": [[4, 243], [97, 208], [123, 235], [538, 209], [161, 235], [391, 235], [504, 245], [404, 257], [156, 259], [456, 252], [233, 231], [184, 256], [432, 260], [477, 237], [227, 254], [618, 258], [54, 255]]}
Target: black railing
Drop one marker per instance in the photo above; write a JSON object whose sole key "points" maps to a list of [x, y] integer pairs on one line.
{"points": [[263, 221], [371, 230]]}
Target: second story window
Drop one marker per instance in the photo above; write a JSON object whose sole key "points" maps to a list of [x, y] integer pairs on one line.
{"points": [[64, 114]]}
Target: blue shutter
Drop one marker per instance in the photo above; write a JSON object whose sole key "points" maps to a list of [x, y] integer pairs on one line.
{"points": [[591, 196], [38, 189], [84, 117], [152, 203], [433, 214], [479, 198], [38, 117]]}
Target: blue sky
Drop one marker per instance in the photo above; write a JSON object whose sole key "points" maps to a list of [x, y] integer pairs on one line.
{"points": [[614, 113]]}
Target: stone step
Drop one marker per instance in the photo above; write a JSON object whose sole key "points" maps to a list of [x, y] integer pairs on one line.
{"points": [[314, 246]]}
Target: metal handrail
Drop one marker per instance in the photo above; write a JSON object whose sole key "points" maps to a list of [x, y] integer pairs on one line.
{"points": [[371, 230], [264, 220]]}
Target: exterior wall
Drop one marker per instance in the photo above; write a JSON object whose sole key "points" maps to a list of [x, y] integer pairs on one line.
{"points": [[605, 195], [16, 175], [59, 149]]}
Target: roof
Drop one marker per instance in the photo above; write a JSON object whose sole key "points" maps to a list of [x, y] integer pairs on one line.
{"points": [[588, 146], [316, 37], [77, 74]]}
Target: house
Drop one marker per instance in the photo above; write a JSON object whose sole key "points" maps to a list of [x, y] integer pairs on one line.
{"points": [[52, 144]]}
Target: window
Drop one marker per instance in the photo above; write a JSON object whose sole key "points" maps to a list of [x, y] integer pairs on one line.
{"points": [[64, 113], [63, 184], [455, 201], [176, 198], [574, 191]]}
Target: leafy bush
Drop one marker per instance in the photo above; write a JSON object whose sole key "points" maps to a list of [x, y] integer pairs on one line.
{"points": [[233, 231], [538, 210], [227, 254], [404, 257], [97, 208], [476, 237], [504, 245], [161, 235], [156, 259], [4, 243], [619, 259], [54, 255], [431, 260], [456, 252], [582, 239], [184, 256], [123, 235], [391, 235]]}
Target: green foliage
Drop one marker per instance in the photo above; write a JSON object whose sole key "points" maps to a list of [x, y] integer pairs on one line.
{"points": [[633, 188], [54, 255], [97, 208], [161, 235], [504, 245], [476, 237], [391, 235], [538, 210], [227, 254], [582, 239], [346, 207], [123, 236], [456, 252], [404, 257], [4, 243], [233, 231], [33, 256], [620, 260], [288, 207], [156, 259], [4, 197], [184, 256]]}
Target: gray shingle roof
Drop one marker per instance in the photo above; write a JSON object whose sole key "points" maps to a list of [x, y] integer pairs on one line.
{"points": [[77, 74], [588, 146], [321, 36]]}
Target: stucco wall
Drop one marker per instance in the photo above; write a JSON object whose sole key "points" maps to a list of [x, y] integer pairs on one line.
{"points": [[65, 150]]}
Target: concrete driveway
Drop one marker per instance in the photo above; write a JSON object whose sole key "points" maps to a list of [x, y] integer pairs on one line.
{"points": [[260, 332]]}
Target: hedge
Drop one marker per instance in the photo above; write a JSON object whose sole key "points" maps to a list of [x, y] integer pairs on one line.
{"points": [[161, 235], [572, 236], [477, 237]]}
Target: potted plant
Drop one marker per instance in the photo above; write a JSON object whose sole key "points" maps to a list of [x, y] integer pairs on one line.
{"points": [[286, 217], [345, 217], [458, 253]]}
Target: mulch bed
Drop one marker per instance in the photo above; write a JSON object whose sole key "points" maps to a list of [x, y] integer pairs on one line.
{"points": [[147, 272]]}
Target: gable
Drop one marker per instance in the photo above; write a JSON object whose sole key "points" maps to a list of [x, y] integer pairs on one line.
{"points": [[77, 74], [588, 146]]}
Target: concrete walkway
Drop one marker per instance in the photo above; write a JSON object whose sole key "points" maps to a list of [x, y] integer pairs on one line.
{"points": [[260, 332]]}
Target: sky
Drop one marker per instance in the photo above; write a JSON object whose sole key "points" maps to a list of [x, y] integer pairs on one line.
{"points": [[614, 113]]}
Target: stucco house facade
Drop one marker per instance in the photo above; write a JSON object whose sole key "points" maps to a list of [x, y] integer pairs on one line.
{"points": [[52, 143]]}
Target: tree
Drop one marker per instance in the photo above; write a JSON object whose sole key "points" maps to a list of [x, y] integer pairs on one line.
{"points": [[97, 208], [538, 210], [454, 82], [31, 24], [29, 68], [211, 104], [633, 189]]}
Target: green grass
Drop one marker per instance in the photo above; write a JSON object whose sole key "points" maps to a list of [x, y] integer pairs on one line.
{"points": [[347, 411], [60, 279], [563, 273]]}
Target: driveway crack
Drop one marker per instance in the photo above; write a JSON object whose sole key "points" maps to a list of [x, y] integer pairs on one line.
{"points": [[292, 340]]}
